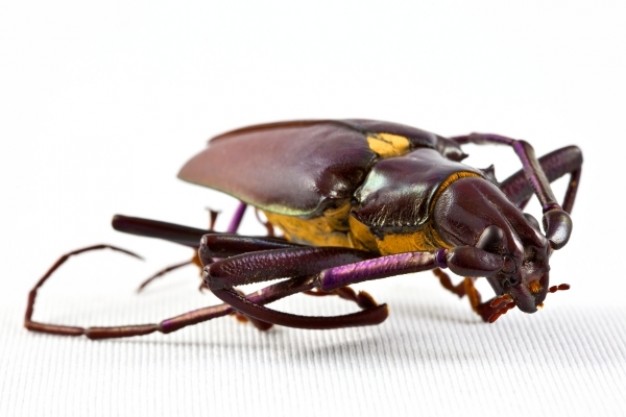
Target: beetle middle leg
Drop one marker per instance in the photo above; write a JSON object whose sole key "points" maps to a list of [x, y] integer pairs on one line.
{"points": [[164, 271], [184, 235]]}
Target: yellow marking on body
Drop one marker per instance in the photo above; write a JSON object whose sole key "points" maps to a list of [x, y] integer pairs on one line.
{"points": [[535, 287], [329, 229], [337, 227], [425, 238], [387, 145], [360, 236]]}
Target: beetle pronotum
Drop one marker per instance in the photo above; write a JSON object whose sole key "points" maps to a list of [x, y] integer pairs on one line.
{"points": [[358, 200]]}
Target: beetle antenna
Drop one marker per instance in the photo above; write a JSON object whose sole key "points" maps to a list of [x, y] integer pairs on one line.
{"points": [[560, 287]]}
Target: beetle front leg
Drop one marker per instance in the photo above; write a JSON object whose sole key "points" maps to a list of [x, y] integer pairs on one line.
{"points": [[224, 275], [557, 221], [463, 288], [464, 260]]}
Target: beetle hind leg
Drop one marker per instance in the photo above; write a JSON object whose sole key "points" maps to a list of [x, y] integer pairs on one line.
{"points": [[266, 295]]}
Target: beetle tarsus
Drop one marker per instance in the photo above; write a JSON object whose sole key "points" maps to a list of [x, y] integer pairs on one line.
{"points": [[491, 310]]}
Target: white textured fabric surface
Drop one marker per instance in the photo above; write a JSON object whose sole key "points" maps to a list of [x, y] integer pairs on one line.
{"points": [[432, 355], [100, 104]]}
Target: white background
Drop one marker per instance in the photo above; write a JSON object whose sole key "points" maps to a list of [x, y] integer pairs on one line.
{"points": [[101, 103]]}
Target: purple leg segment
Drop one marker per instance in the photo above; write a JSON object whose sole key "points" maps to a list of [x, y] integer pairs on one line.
{"points": [[382, 267], [237, 217]]}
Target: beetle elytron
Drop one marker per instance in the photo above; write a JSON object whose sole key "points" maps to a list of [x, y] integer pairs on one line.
{"points": [[357, 200]]}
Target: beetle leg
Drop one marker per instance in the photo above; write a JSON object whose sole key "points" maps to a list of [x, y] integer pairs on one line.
{"points": [[227, 245], [557, 222], [562, 161], [489, 311], [189, 236], [332, 268], [195, 260], [224, 245], [213, 214], [446, 282], [224, 275], [461, 260], [264, 296], [237, 217]]}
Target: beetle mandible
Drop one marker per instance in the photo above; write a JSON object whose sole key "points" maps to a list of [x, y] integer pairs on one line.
{"points": [[358, 200]]}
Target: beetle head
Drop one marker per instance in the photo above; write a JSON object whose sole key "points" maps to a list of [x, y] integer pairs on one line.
{"points": [[524, 271], [526, 283], [493, 238]]}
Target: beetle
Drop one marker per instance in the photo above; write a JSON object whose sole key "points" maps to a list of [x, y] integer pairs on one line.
{"points": [[357, 200]]}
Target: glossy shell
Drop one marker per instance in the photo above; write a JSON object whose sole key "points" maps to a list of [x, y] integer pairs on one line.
{"points": [[301, 168]]}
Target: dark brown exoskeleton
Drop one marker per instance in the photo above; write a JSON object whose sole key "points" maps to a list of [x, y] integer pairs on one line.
{"points": [[358, 200]]}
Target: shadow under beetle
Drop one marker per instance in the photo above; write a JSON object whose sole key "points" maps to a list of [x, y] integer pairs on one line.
{"points": [[358, 200]]}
